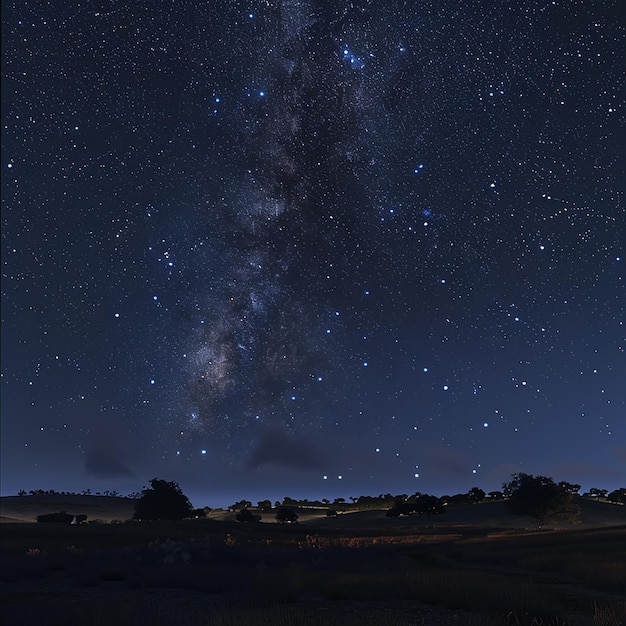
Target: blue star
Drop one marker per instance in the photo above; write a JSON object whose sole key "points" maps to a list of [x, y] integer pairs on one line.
{"points": [[355, 61]]}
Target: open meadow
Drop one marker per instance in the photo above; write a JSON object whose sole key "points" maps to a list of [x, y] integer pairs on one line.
{"points": [[476, 564]]}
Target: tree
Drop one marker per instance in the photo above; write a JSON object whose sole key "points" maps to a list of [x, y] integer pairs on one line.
{"points": [[164, 500], [55, 518], [286, 515], [430, 505], [475, 495], [246, 515], [264, 505], [458, 498], [541, 498], [617, 496], [572, 488], [420, 503], [242, 504], [594, 492]]}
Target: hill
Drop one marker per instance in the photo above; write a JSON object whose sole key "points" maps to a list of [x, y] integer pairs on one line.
{"points": [[27, 508], [487, 515]]}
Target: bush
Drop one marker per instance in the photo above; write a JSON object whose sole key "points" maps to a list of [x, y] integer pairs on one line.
{"points": [[55, 518], [286, 515], [245, 515]]}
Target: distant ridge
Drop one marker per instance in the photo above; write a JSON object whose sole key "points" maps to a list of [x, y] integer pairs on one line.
{"points": [[16, 509], [27, 508]]}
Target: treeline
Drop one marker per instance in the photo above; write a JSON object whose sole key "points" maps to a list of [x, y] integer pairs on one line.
{"points": [[388, 501], [108, 493], [61, 518], [402, 502], [537, 496]]}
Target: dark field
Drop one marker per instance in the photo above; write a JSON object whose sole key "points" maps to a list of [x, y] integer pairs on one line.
{"points": [[358, 568]]}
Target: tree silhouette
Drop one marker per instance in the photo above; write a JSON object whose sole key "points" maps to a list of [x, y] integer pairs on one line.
{"points": [[164, 500], [242, 504], [55, 518], [617, 496], [541, 498], [594, 492], [420, 503], [246, 515], [285, 514], [475, 495], [572, 488]]}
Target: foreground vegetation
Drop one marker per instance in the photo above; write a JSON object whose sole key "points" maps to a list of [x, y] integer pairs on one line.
{"points": [[201, 572], [389, 561]]}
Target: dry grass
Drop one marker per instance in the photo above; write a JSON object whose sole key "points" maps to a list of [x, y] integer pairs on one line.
{"points": [[220, 573], [609, 614], [594, 558]]}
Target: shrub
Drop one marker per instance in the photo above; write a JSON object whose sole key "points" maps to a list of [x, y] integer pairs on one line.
{"points": [[55, 518], [245, 515], [286, 515]]}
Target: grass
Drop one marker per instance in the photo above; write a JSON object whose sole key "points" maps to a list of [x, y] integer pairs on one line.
{"points": [[204, 572], [595, 558]]}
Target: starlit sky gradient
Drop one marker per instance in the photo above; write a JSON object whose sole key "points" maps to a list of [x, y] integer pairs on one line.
{"points": [[312, 249]]}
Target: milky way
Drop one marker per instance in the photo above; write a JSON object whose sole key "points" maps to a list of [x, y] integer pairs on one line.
{"points": [[298, 245], [313, 246]]}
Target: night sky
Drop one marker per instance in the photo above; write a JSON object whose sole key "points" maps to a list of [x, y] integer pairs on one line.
{"points": [[312, 249]]}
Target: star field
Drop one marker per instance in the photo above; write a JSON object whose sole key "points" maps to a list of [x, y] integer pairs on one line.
{"points": [[312, 249]]}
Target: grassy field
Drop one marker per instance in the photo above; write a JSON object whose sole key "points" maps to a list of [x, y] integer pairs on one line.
{"points": [[465, 567]]}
